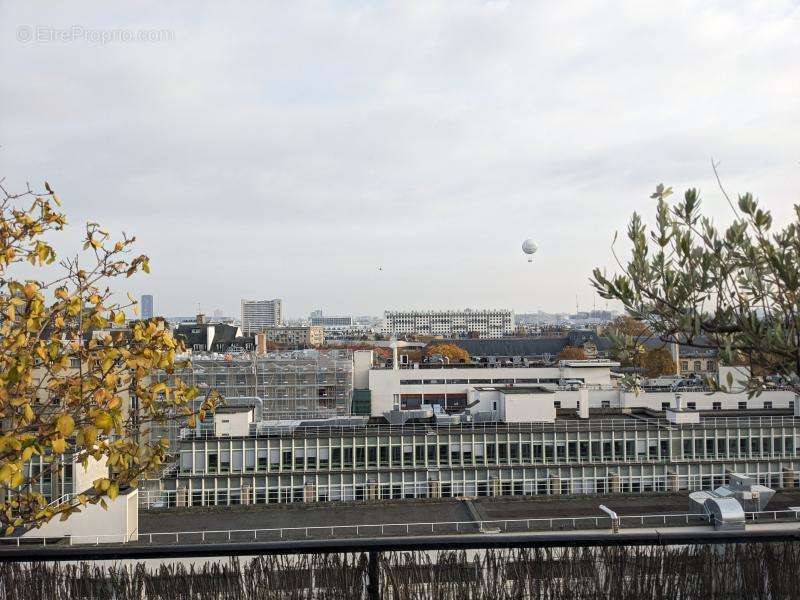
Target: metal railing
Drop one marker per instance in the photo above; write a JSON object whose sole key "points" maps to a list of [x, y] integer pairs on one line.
{"points": [[639, 423], [63, 499], [377, 530]]}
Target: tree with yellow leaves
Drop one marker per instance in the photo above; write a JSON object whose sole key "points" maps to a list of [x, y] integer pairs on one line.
{"points": [[571, 353], [451, 351], [75, 385]]}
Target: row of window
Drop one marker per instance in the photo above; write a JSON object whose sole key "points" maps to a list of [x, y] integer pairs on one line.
{"points": [[434, 489], [506, 380], [442, 455], [697, 366]]}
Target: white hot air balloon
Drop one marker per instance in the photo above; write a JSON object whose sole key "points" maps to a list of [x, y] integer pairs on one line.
{"points": [[529, 247]]}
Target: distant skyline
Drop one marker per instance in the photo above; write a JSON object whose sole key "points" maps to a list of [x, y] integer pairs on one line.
{"points": [[217, 313], [363, 156]]}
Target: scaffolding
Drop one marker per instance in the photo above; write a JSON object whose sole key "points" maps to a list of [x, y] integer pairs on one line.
{"points": [[301, 384]]}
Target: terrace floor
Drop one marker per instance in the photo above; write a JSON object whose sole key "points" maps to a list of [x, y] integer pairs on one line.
{"points": [[401, 512]]}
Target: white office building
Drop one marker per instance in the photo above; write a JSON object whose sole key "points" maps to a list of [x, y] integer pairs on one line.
{"points": [[257, 314], [331, 322], [492, 323]]}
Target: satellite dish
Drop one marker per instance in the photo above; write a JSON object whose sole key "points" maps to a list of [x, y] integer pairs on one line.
{"points": [[529, 247]]}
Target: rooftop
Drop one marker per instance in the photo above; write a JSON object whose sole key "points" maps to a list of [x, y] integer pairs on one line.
{"points": [[338, 514]]}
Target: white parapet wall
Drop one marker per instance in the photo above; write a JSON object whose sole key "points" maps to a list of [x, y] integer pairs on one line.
{"points": [[521, 405], [84, 478], [118, 523]]}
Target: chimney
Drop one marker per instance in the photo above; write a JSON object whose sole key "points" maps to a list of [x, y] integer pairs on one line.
{"points": [[583, 403], [201, 318], [675, 352], [261, 343]]}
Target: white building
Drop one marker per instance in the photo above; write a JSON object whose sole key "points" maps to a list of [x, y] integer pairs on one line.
{"points": [[331, 322], [257, 314], [452, 387], [492, 323], [523, 394]]}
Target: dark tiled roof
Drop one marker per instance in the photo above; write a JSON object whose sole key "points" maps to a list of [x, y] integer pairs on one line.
{"points": [[224, 335], [185, 331], [527, 346]]}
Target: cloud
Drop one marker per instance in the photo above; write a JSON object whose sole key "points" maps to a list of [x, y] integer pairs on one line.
{"points": [[286, 149]]}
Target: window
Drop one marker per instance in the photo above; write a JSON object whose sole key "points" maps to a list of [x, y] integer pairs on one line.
{"points": [[767, 404], [557, 403], [664, 405], [743, 405], [716, 405], [225, 461], [691, 406], [684, 365], [697, 367], [605, 404]]}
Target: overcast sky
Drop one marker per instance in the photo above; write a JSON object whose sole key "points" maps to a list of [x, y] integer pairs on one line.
{"points": [[288, 149]]}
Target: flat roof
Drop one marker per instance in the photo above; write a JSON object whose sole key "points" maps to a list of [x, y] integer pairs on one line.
{"points": [[517, 389], [534, 389], [327, 514]]}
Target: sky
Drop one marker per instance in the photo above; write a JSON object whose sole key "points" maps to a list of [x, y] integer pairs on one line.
{"points": [[290, 149]]}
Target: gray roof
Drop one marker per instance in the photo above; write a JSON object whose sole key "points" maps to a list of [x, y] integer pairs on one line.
{"points": [[527, 346]]}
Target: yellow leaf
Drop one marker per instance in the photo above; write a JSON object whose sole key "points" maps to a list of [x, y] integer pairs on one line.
{"points": [[59, 445], [113, 491], [65, 425], [119, 318], [17, 479], [104, 422]]}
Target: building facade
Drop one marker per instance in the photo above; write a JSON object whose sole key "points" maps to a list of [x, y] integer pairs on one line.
{"points": [[310, 336], [287, 385], [450, 323], [331, 322], [257, 314], [505, 431], [620, 453]]}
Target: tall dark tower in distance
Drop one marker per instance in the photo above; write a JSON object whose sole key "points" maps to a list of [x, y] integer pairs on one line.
{"points": [[147, 306]]}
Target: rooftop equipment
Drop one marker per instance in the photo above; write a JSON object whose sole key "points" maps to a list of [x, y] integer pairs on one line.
{"points": [[727, 504]]}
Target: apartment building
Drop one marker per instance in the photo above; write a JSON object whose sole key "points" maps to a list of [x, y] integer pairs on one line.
{"points": [[331, 321], [310, 336], [257, 314], [450, 323]]}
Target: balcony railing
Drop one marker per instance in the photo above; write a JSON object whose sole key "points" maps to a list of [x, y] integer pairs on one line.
{"points": [[378, 530], [567, 425]]}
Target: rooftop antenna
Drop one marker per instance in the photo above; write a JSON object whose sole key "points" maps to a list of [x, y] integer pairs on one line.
{"points": [[577, 310]]}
